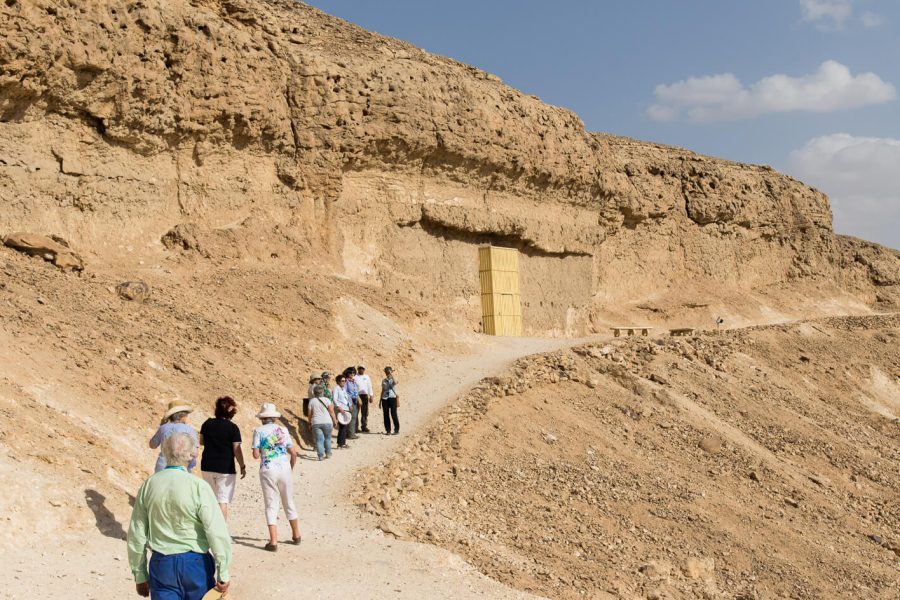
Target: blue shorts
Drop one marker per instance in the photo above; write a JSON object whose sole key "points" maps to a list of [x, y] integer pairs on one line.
{"points": [[186, 576]]}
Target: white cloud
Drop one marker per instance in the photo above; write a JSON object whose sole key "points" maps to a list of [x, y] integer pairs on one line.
{"points": [[662, 113], [871, 20], [827, 15], [834, 15], [861, 175], [830, 88]]}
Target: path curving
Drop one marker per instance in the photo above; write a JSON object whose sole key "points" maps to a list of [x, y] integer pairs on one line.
{"points": [[339, 556]]}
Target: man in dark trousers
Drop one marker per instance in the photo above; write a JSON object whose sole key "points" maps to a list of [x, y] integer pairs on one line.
{"points": [[366, 396], [352, 390], [389, 402]]}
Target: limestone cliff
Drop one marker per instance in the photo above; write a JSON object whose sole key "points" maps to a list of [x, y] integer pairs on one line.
{"points": [[282, 130]]}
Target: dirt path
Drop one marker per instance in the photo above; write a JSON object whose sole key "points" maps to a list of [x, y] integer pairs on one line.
{"points": [[339, 557]]}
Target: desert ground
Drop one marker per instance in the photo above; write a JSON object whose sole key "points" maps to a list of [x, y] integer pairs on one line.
{"points": [[759, 462], [209, 197]]}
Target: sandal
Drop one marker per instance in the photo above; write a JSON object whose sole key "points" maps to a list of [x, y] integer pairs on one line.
{"points": [[296, 541], [272, 547]]}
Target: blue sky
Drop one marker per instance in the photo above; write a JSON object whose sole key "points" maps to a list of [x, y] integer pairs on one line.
{"points": [[807, 86]]}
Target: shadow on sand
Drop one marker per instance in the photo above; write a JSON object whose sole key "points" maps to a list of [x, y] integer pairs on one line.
{"points": [[299, 429], [256, 543], [105, 519]]}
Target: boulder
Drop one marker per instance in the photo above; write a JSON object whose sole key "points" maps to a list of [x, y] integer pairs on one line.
{"points": [[52, 249], [133, 290], [711, 444], [394, 530], [699, 568]]}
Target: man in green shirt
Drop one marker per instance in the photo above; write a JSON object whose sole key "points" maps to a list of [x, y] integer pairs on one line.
{"points": [[176, 515]]}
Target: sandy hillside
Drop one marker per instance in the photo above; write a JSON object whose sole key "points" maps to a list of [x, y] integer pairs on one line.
{"points": [[760, 463], [86, 373], [238, 192]]}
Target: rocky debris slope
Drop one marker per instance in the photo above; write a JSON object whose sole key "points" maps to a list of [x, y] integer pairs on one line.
{"points": [[121, 121], [759, 463], [89, 362], [244, 186]]}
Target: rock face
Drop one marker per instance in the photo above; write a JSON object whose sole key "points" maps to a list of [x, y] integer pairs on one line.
{"points": [[122, 121]]}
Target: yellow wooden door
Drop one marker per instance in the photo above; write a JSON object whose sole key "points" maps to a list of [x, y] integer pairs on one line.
{"points": [[507, 305]]}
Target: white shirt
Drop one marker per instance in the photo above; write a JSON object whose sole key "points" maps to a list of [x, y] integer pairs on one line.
{"points": [[319, 408], [365, 385], [341, 398]]}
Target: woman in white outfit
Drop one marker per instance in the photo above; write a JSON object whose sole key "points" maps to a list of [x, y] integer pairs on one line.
{"points": [[273, 446]]}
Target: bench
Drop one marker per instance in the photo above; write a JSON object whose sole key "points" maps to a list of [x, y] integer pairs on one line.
{"points": [[617, 331], [682, 331]]}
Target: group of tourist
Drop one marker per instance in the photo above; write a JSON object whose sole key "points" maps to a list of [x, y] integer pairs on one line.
{"points": [[345, 406], [175, 514]]}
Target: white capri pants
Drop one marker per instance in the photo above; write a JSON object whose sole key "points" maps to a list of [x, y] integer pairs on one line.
{"points": [[277, 484], [223, 485]]}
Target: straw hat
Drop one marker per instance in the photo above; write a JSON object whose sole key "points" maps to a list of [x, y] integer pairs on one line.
{"points": [[344, 418], [175, 406], [315, 376], [268, 411]]}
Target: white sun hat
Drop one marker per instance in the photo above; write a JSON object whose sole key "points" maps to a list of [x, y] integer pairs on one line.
{"points": [[268, 411]]}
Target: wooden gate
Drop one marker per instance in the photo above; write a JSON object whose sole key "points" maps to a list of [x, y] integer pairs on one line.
{"points": [[501, 304]]}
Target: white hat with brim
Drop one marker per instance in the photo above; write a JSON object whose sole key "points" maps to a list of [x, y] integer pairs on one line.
{"points": [[344, 418], [175, 406], [268, 411]]}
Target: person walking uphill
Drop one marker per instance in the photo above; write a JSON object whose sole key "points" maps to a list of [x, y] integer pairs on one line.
{"points": [[389, 402], [273, 446], [322, 420], [175, 515], [221, 441], [175, 420]]}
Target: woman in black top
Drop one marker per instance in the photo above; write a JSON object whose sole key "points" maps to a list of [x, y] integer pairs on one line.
{"points": [[221, 441]]}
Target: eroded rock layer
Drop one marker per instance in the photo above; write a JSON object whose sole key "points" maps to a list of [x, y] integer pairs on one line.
{"points": [[123, 120]]}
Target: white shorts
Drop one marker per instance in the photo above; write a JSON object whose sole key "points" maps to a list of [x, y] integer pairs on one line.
{"points": [[222, 484]]}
